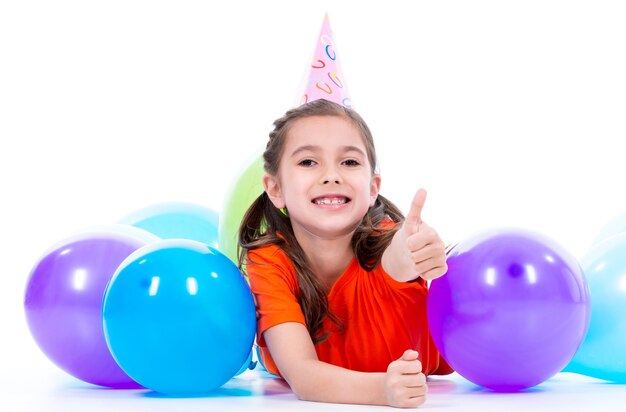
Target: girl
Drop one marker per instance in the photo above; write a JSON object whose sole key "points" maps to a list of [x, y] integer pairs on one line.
{"points": [[338, 275]]}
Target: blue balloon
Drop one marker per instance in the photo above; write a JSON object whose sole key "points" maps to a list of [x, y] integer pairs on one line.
{"points": [[179, 317], [602, 354], [177, 220]]}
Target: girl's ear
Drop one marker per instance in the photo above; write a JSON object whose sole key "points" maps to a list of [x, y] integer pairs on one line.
{"points": [[374, 189], [272, 188]]}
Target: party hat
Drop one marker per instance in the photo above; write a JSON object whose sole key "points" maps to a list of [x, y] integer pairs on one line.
{"points": [[325, 80]]}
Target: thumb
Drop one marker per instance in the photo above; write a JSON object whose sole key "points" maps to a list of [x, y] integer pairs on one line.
{"points": [[410, 355], [414, 217]]}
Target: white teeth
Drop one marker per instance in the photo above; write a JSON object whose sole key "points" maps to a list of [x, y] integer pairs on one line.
{"points": [[330, 201]]}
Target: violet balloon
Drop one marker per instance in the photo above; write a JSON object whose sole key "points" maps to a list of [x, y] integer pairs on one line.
{"points": [[63, 304], [511, 311]]}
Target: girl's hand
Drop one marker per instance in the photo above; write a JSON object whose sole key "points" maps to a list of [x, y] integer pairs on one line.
{"points": [[405, 384], [425, 252]]}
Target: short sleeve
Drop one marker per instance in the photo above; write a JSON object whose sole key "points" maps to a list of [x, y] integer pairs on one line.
{"points": [[275, 287]]}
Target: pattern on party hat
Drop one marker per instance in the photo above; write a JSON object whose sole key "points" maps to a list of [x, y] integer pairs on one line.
{"points": [[325, 80]]}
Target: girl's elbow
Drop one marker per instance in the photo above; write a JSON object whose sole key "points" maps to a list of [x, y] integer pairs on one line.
{"points": [[302, 391]]}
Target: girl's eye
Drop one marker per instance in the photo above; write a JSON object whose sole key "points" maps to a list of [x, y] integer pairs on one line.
{"points": [[351, 162], [306, 163]]}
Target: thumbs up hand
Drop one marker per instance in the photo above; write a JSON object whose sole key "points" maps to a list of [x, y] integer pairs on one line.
{"points": [[416, 249], [413, 219]]}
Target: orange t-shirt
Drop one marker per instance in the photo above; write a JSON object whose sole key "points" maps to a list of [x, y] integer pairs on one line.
{"points": [[381, 316]]}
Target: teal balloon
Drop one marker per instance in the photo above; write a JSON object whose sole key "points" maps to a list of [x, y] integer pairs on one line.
{"points": [[259, 359], [177, 220], [603, 352], [243, 192], [613, 227], [179, 317]]}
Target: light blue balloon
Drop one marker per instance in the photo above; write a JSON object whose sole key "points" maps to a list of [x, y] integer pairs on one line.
{"points": [[613, 227], [179, 317], [177, 220], [603, 352], [122, 229]]}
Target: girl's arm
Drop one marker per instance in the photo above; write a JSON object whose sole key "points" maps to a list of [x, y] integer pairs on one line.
{"points": [[403, 385], [416, 249]]}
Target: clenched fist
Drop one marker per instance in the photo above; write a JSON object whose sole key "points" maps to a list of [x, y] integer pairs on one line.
{"points": [[405, 384]]}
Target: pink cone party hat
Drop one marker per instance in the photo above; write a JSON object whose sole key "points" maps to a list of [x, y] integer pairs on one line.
{"points": [[325, 80]]}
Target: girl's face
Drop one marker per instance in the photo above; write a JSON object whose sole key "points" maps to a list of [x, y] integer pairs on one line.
{"points": [[324, 178]]}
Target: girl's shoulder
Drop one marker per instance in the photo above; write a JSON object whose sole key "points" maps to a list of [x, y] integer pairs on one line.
{"points": [[269, 266], [267, 251], [270, 254]]}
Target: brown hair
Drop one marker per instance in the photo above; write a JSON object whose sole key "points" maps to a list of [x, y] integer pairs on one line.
{"points": [[264, 224]]}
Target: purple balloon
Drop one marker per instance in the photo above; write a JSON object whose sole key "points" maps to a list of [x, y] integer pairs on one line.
{"points": [[63, 304], [511, 311]]}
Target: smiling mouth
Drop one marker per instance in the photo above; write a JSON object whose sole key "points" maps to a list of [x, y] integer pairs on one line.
{"points": [[330, 200]]}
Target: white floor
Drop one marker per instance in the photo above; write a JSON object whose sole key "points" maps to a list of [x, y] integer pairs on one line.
{"points": [[40, 386]]}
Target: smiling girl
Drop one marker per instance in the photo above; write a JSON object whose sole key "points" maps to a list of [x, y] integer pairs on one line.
{"points": [[339, 276]]}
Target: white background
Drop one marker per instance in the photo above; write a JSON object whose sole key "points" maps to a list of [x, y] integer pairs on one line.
{"points": [[510, 113]]}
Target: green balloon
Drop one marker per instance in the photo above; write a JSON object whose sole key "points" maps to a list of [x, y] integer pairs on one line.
{"points": [[245, 190]]}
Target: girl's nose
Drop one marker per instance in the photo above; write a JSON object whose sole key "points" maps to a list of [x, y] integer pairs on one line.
{"points": [[331, 176]]}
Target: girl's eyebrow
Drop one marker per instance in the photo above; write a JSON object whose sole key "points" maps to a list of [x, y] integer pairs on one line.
{"points": [[306, 148], [314, 148]]}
